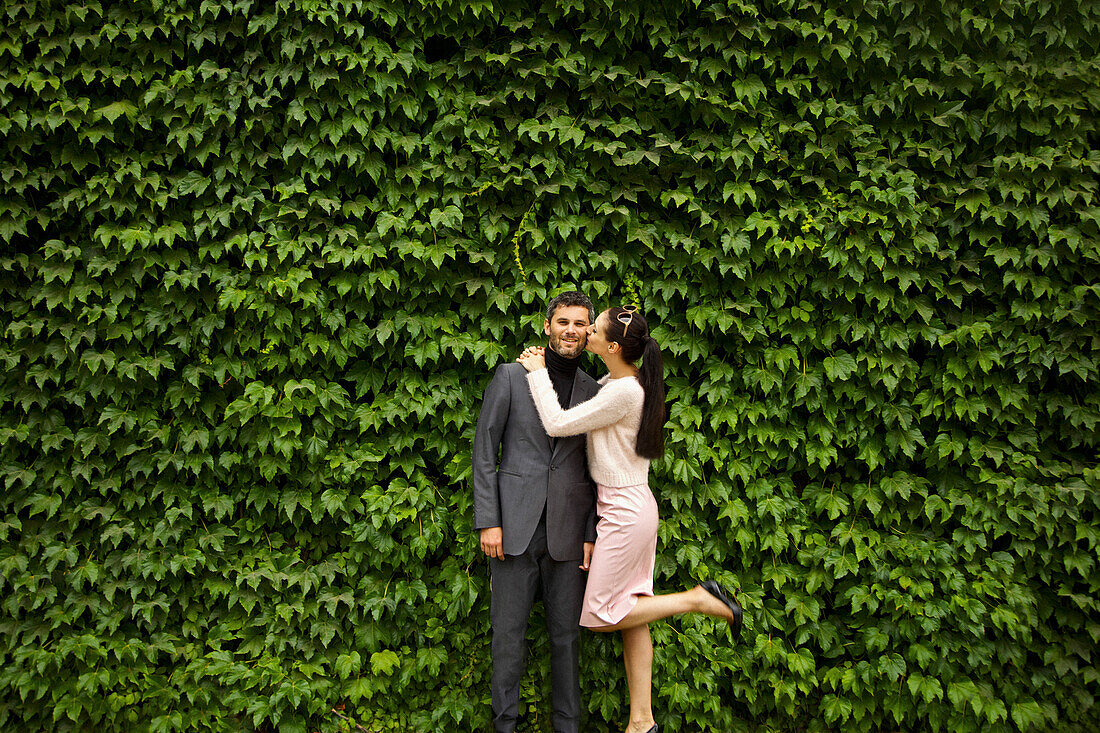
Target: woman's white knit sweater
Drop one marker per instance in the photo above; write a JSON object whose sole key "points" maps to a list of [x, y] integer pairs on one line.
{"points": [[611, 420]]}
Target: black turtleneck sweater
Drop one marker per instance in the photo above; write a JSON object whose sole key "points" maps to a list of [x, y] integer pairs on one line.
{"points": [[562, 371]]}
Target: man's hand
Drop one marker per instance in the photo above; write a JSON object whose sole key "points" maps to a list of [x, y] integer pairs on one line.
{"points": [[587, 561], [492, 542]]}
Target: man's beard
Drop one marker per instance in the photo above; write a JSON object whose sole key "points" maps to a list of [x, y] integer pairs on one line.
{"points": [[562, 348]]}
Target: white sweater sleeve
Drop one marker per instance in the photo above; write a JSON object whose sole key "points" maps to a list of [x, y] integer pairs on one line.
{"points": [[607, 407]]}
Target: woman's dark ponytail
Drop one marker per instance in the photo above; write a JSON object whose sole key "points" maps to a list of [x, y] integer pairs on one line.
{"points": [[636, 341], [651, 433]]}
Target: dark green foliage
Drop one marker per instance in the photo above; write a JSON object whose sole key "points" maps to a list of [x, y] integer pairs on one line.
{"points": [[259, 260]]}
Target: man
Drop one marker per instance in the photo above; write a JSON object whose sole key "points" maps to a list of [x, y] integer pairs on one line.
{"points": [[535, 510]]}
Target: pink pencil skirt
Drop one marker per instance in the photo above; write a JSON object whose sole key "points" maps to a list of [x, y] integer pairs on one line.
{"points": [[626, 548]]}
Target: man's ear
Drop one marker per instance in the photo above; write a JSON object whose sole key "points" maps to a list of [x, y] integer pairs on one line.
{"points": [[546, 326]]}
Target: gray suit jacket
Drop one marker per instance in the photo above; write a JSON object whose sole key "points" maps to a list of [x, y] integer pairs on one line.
{"points": [[534, 470]]}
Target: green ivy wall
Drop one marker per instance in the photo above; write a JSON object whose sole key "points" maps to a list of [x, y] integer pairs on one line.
{"points": [[259, 260]]}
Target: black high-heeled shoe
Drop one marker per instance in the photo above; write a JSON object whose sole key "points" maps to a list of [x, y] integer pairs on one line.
{"points": [[724, 596], [653, 729]]}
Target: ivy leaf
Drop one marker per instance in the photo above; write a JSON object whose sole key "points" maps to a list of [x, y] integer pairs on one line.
{"points": [[114, 110], [348, 664], [840, 367], [384, 662], [450, 216], [1027, 714]]}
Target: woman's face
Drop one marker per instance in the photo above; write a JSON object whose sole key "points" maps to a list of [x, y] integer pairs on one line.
{"points": [[597, 336]]}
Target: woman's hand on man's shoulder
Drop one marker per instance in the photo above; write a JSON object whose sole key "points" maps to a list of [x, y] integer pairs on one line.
{"points": [[533, 358]]}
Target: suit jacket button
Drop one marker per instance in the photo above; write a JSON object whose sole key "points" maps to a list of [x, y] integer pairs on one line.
{"points": [[553, 468]]}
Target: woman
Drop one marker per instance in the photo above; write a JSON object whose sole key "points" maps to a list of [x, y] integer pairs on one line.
{"points": [[625, 423]]}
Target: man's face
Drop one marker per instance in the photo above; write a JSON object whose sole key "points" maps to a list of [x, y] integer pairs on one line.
{"points": [[567, 329]]}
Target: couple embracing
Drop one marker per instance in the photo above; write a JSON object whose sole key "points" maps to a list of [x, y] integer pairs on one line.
{"points": [[546, 432]]}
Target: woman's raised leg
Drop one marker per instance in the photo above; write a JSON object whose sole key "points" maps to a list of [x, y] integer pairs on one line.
{"points": [[654, 608]]}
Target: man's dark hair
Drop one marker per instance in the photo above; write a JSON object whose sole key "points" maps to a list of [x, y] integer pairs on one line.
{"points": [[570, 297]]}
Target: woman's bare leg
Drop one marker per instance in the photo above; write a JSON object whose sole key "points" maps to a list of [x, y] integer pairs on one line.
{"points": [[654, 608], [638, 660], [638, 646]]}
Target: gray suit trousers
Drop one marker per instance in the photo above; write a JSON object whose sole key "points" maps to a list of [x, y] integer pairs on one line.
{"points": [[516, 582]]}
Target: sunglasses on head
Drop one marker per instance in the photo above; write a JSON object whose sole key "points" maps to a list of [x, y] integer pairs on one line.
{"points": [[626, 316]]}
